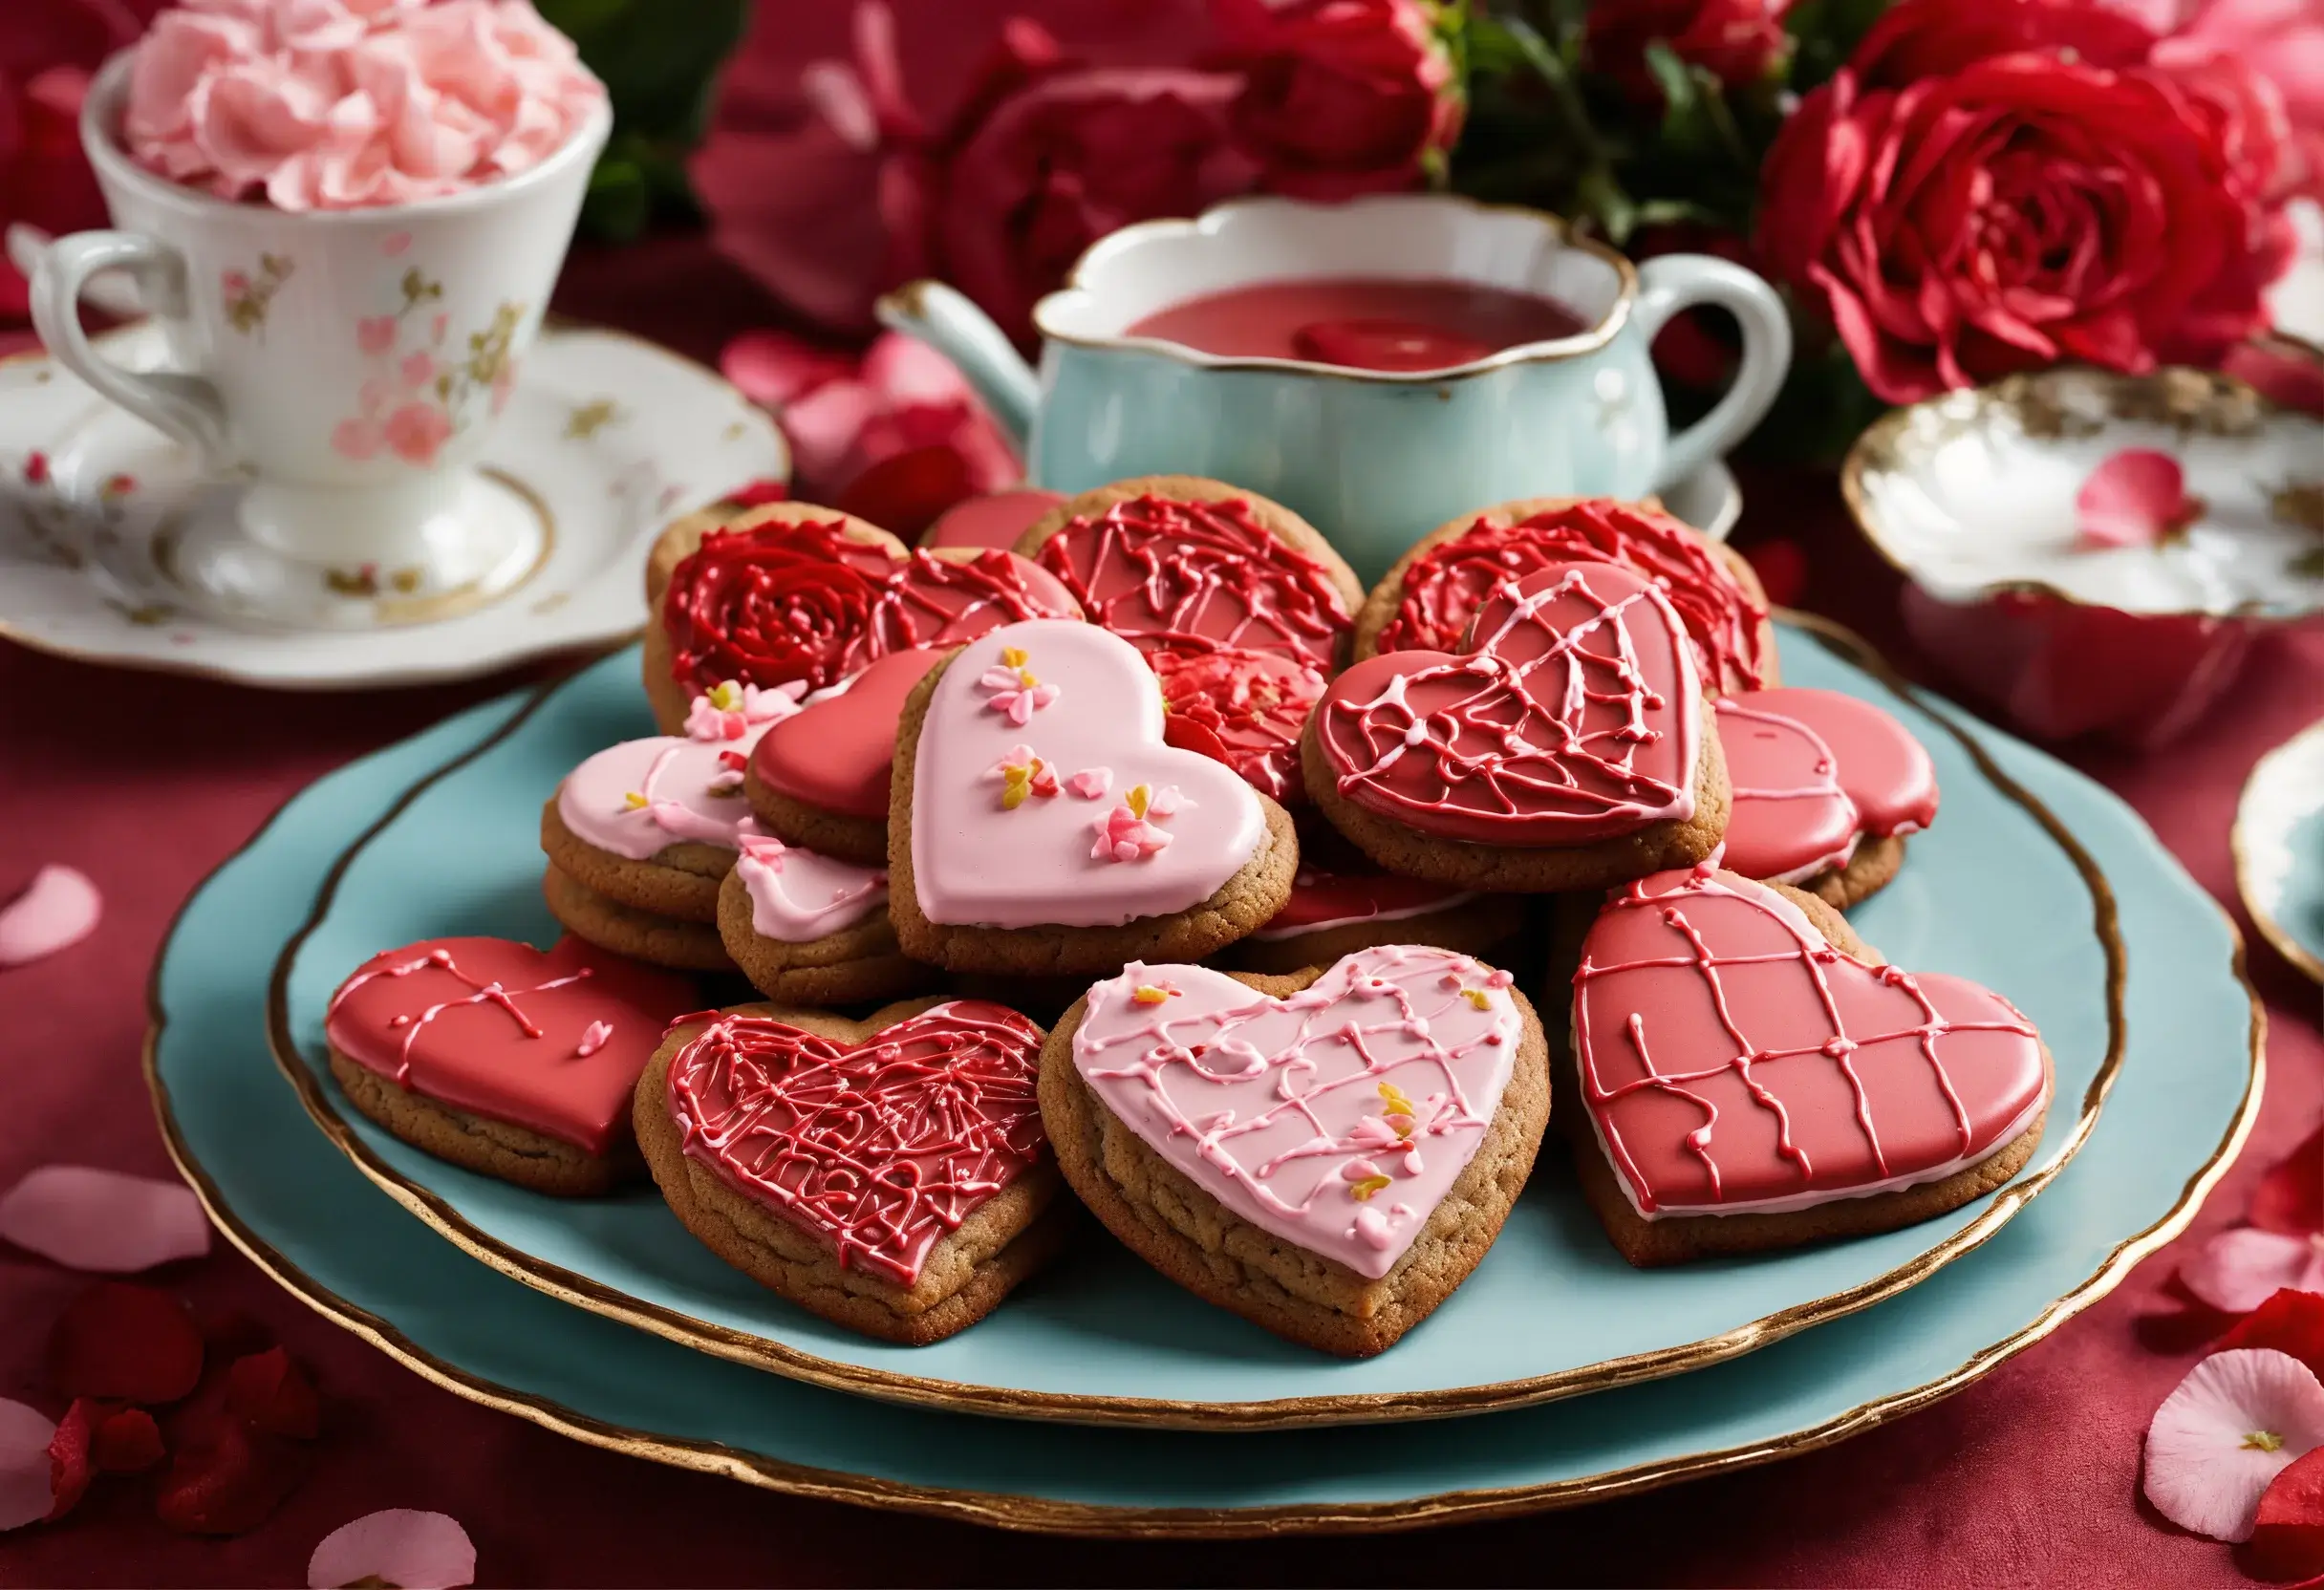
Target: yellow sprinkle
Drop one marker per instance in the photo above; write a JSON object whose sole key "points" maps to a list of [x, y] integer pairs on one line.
{"points": [[1477, 997], [1024, 677], [1012, 656], [637, 800], [1147, 994], [1014, 795], [1395, 1098], [1362, 1190], [1137, 799], [1402, 1122], [726, 697]]}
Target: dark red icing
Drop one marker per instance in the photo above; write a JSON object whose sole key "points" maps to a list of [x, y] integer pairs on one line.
{"points": [[1811, 772], [836, 753], [1731, 1056], [1320, 898], [1196, 577], [878, 1148], [496, 1028], [1574, 717], [1248, 705], [784, 602], [1444, 586]]}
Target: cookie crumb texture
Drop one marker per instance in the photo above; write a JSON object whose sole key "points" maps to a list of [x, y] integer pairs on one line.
{"points": [[998, 1241], [1157, 1212]]}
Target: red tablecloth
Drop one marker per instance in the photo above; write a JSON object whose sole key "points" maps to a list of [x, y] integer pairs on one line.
{"points": [[146, 784]]}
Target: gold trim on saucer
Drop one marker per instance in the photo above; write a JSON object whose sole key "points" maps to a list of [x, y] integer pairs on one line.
{"points": [[1047, 1515], [2240, 843], [760, 1352]]}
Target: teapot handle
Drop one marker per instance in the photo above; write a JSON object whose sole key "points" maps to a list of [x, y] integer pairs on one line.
{"points": [[1671, 283], [947, 321]]}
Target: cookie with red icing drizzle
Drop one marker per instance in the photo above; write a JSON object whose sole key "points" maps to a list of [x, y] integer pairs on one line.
{"points": [[889, 1174], [1428, 599], [1753, 1076], [793, 594], [512, 1061], [1567, 747], [1327, 1154], [1826, 786]]}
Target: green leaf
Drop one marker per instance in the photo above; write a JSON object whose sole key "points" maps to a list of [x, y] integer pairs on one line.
{"points": [[1827, 33], [619, 201], [659, 58], [1598, 195]]}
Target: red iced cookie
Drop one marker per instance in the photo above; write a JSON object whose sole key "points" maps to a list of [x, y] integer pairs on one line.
{"points": [[835, 754], [1243, 708], [1813, 771]]}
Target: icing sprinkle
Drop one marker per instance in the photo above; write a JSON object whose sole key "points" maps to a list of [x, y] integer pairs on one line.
{"points": [[1012, 689]]}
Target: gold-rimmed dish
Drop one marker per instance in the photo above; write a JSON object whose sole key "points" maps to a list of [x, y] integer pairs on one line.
{"points": [[1103, 1340], [2278, 841], [287, 1198]]}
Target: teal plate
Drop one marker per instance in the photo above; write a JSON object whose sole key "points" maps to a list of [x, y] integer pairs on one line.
{"points": [[1994, 891], [2185, 1096], [2279, 849]]}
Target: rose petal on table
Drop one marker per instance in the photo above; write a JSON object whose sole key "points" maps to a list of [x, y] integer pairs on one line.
{"points": [[2290, 1197], [401, 1546], [59, 908], [226, 1476], [2238, 1270], [71, 1468], [274, 1392], [126, 1343], [128, 1442], [774, 368], [25, 1489], [2136, 498], [91, 1220], [2291, 1321], [2239, 1419], [2288, 1534]]}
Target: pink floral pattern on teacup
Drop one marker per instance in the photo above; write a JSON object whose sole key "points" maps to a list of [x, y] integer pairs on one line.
{"points": [[420, 391]]}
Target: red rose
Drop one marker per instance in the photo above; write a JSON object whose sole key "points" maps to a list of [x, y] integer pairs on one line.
{"points": [[48, 48], [768, 609], [1936, 38], [2020, 211], [1736, 41], [1340, 97]]}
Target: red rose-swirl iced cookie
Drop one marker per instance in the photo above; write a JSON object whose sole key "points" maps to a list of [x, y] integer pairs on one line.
{"points": [[1429, 598], [1750, 1075], [1565, 748], [792, 593], [887, 1174]]}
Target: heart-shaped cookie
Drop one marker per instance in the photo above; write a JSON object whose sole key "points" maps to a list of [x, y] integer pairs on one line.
{"points": [[550, 1042], [880, 1147], [786, 602], [835, 754], [1813, 772], [1336, 1118], [1243, 708], [1042, 794], [1574, 717], [1428, 599], [1733, 1061], [1193, 575]]}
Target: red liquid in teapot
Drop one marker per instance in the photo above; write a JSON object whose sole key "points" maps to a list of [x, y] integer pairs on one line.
{"points": [[1361, 322]]}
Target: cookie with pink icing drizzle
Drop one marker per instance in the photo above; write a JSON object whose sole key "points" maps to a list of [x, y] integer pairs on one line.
{"points": [[1351, 1135], [812, 930], [1040, 823], [1752, 1075]]}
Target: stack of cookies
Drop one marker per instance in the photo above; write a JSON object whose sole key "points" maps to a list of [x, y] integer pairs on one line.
{"points": [[1213, 880]]}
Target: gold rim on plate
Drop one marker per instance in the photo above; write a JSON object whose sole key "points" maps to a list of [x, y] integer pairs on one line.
{"points": [[1048, 1516], [761, 1352], [2239, 842]]}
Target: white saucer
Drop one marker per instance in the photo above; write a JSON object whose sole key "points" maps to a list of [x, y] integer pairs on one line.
{"points": [[606, 439]]}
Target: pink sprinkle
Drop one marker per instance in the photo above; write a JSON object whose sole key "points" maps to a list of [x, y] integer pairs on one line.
{"points": [[1091, 784], [1372, 1227], [593, 1038], [1358, 1170]]}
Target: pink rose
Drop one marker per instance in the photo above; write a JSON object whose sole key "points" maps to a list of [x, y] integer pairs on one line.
{"points": [[333, 104], [2281, 41], [1340, 97], [1042, 158], [48, 48], [415, 432]]}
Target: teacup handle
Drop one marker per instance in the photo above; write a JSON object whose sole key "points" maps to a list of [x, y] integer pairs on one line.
{"points": [[1671, 283], [186, 407]]}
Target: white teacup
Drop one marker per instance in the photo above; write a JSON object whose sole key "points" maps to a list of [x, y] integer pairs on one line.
{"points": [[350, 363]]}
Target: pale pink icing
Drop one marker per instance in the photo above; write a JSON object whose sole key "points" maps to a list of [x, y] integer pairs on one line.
{"points": [[797, 895], [978, 860], [691, 786], [340, 104], [1282, 1109]]}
